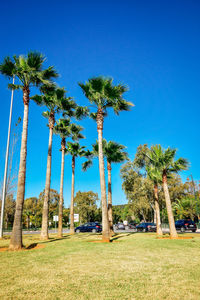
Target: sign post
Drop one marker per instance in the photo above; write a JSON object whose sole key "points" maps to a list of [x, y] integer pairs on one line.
{"points": [[55, 219]]}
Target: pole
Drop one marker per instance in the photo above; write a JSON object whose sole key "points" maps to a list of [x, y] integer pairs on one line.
{"points": [[195, 195], [6, 165]]}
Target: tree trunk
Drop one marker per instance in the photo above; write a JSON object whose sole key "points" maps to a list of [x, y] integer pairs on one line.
{"points": [[45, 213], [157, 209], [61, 190], [16, 236], [154, 214], [105, 221], [172, 227], [110, 217], [72, 199]]}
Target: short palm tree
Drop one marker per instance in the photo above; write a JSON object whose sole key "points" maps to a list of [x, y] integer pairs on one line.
{"points": [[55, 100], [29, 70], [75, 150], [164, 163], [65, 129], [155, 176], [103, 94], [113, 152]]}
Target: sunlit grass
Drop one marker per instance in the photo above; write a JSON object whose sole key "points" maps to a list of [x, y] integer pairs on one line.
{"points": [[134, 266]]}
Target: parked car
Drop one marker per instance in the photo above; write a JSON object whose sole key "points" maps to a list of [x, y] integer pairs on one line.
{"points": [[185, 224], [89, 227], [145, 227], [131, 225], [120, 226]]}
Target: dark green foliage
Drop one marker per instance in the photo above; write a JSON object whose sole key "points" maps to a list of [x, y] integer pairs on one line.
{"points": [[85, 204]]}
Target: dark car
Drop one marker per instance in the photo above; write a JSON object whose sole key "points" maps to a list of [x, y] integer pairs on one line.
{"points": [[89, 227], [145, 227], [185, 224]]}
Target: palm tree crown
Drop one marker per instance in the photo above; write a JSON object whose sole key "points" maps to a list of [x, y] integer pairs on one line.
{"points": [[113, 152], [164, 161], [101, 92], [28, 69], [66, 129]]}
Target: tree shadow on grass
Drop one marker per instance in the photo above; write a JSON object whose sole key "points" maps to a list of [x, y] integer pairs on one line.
{"points": [[51, 239], [121, 235]]}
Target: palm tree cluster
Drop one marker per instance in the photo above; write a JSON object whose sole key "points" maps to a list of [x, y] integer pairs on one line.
{"points": [[30, 72], [160, 164]]}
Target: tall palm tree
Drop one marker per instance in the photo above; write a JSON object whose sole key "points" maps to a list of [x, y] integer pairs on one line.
{"points": [[164, 162], [103, 94], [155, 176], [113, 152], [29, 70], [55, 100], [75, 150], [65, 129]]}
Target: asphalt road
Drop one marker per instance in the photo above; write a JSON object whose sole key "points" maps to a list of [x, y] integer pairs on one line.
{"points": [[165, 230]]}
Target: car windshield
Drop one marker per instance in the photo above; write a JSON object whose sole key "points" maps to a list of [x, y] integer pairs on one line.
{"points": [[179, 222]]}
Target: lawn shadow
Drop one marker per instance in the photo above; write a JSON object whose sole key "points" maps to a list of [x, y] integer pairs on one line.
{"points": [[51, 239], [31, 246], [119, 235]]}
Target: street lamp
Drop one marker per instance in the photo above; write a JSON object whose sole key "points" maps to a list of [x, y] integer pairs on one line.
{"points": [[6, 165]]}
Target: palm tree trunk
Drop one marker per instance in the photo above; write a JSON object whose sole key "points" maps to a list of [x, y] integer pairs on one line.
{"points": [[45, 213], [157, 209], [61, 189], [72, 199], [110, 217], [105, 221], [16, 236], [172, 227]]}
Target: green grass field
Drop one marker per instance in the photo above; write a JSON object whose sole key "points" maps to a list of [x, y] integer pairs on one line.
{"points": [[134, 266]]}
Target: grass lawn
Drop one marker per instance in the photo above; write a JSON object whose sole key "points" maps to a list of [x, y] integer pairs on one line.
{"points": [[134, 266]]}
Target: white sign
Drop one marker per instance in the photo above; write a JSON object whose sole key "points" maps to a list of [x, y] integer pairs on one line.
{"points": [[76, 217], [125, 223], [55, 218]]}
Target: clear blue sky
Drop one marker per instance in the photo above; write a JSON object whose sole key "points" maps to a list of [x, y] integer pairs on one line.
{"points": [[152, 46]]}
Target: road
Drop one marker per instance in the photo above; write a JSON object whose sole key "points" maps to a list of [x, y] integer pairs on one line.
{"points": [[165, 230]]}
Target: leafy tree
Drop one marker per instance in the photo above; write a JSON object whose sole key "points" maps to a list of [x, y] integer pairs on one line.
{"points": [[30, 207], [75, 150], [9, 210], [65, 129], [85, 204], [53, 203], [101, 92], [138, 190], [30, 72], [163, 161]]}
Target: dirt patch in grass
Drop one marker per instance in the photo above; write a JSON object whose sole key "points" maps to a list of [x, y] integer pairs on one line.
{"points": [[97, 241], [178, 238], [30, 247]]}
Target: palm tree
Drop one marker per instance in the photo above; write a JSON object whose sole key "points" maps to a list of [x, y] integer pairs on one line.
{"points": [[103, 94], [30, 71], [65, 129], [55, 100], [75, 150], [164, 163], [155, 176], [113, 152]]}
